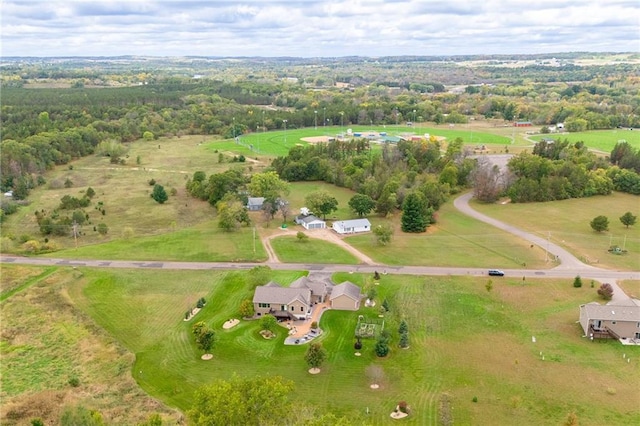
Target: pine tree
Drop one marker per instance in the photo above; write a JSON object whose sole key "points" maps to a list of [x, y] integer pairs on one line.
{"points": [[414, 213]]}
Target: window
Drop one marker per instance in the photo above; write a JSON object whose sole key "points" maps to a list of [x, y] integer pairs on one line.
{"points": [[613, 323], [301, 308], [264, 305]]}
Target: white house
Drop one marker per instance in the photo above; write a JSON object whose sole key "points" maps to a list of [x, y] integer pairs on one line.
{"points": [[351, 226]]}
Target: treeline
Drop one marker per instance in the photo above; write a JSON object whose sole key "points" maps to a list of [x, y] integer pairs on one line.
{"points": [[387, 176], [559, 170]]}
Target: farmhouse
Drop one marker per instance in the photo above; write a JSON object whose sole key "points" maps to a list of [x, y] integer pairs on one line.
{"points": [[255, 203], [346, 297], [296, 301], [351, 226], [617, 320]]}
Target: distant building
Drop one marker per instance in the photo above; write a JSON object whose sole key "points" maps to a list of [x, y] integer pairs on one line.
{"points": [[523, 124], [255, 203]]}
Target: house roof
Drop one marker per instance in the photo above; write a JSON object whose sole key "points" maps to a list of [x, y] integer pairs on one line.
{"points": [[274, 293], [625, 311], [316, 287], [353, 223], [255, 201], [309, 219], [346, 289]]}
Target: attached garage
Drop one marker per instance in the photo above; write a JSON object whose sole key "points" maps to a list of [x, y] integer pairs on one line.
{"points": [[345, 296]]}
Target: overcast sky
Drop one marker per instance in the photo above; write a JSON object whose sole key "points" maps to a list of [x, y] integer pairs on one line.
{"points": [[316, 28]]}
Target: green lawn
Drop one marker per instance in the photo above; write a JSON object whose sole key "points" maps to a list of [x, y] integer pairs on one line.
{"points": [[566, 223], [279, 142], [455, 240], [465, 343], [201, 243], [290, 250], [602, 140]]}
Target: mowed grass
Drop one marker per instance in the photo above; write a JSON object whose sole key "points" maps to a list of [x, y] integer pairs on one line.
{"points": [[291, 250], [46, 341], [567, 223], [278, 142], [602, 140], [465, 342], [201, 243], [455, 240]]}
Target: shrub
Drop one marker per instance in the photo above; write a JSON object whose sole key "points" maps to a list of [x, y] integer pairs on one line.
{"points": [[68, 183], [74, 382], [606, 291], [151, 182], [200, 305], [404, 340], [302, 237], [102, 228], [314, 325], [475, 399], [268, 322], [358, 344], [402, 406]]}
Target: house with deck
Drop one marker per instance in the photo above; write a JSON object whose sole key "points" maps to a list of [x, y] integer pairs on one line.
{"points": [[296, 301], [616, 320]]}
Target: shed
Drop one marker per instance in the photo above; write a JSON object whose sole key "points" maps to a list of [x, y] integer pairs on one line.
{"points": [[255, 203], [310, 222]]}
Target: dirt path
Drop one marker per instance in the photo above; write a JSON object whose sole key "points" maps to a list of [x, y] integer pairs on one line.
{"points": [[321, 234]]}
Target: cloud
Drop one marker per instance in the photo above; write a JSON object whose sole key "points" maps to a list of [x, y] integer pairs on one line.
{"points": [[315, 28]]}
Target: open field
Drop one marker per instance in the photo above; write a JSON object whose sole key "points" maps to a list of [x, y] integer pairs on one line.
{"points": [[455, 240], [290, 250], [566, 223], [465, 343], [601, 140], [47, 341], [278, 143]]}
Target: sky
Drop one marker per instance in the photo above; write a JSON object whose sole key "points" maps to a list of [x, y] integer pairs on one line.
{"points": [[319, 28]]}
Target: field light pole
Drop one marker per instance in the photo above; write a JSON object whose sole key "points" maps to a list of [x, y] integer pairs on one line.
{"points": [[324, 116], [315, 119], [285, 131], [342, 122]]}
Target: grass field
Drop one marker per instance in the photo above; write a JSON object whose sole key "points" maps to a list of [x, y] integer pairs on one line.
{"points": [[290, 250], [566, 223], [278, 143], [465, 343], [455, 240], [601, 140]]}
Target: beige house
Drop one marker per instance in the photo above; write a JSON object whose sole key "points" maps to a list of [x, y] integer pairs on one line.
{"points": [[282, 302], [345, 296], [616, 320], [296, 301]]}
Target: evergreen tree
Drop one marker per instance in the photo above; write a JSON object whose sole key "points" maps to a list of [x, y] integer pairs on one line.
{"points": [[414, 213], [159, 194]]}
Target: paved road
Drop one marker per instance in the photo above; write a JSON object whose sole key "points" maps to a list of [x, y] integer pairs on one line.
{"points": [[569, 267]]}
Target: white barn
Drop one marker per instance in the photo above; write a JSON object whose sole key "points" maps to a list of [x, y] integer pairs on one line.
{"points": [[351, 226]]}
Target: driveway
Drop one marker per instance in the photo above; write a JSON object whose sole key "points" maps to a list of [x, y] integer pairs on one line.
{"points": [[566, 259]]}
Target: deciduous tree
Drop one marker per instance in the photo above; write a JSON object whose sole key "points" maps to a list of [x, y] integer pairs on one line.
{"points": [[251, 401], [628, 219], [362, 204], [600, 223], [321, 202]]}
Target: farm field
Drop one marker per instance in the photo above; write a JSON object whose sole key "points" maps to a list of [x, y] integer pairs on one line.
{"points": [[566, 223], [455, 327], [601, 140]]}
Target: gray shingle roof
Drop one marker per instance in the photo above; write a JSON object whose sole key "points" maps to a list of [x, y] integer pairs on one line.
{"points": [[283, 295], [346, 288], [317, 287], [612, 311]]}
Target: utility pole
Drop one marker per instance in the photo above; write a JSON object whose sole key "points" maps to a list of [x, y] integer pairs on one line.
{"points": [[75, 229], [546, 254]]}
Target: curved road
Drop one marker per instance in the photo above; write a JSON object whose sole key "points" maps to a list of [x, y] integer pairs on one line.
{"points": [[569, 267]]}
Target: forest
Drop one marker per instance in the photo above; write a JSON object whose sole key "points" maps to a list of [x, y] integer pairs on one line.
{"points": [[56, 110]]}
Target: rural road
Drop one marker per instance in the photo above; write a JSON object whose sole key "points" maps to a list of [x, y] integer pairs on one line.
{"points": [[568, 268]]}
